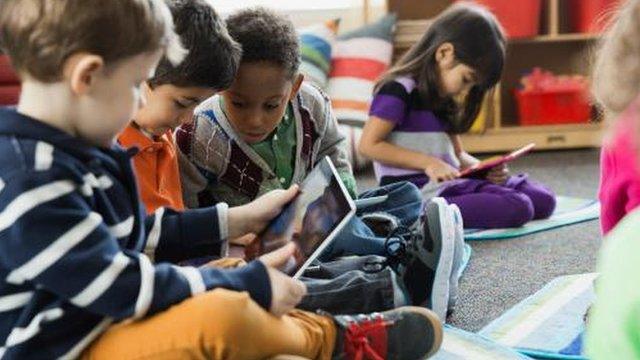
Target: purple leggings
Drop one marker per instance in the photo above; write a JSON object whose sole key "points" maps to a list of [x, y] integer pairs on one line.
{"points": [[485, 205]]}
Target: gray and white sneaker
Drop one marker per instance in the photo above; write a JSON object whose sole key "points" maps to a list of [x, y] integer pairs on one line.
{"points": [[458, 257], [426, 258]]}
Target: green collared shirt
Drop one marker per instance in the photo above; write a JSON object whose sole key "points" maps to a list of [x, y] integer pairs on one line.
{"points": [[278, 150]]}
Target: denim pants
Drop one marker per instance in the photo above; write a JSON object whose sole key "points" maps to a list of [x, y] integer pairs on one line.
{"points": [[353, 285], [404, 203]]}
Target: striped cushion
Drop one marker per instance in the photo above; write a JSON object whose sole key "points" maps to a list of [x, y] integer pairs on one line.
{"points": [[315, 47], [359, 58], [550, 323]]}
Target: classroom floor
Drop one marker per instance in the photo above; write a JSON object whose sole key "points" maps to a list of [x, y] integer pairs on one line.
{"points": [[502, 273]]}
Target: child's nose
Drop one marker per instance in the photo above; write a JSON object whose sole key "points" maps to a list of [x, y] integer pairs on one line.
{"points": [[254, 120], [186, 118]]}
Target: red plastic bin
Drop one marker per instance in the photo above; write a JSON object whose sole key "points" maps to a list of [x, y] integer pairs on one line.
{"points": [[592, 16], [553, 107], [519, 18]]}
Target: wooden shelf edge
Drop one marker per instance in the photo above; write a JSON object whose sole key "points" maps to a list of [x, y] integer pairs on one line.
{"points": [[546, 128], [503, 140], [556, 38]]}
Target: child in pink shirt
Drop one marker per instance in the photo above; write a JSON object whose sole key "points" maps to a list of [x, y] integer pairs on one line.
{"points": [[620, 169]]}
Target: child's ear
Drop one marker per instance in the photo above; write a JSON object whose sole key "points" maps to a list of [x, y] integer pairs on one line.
{"points": [[145, 93], [445, 55], [297, 82], [81, 71]]}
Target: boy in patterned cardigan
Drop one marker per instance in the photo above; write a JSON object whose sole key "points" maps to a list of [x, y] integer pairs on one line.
{"points": [[269, 129]]}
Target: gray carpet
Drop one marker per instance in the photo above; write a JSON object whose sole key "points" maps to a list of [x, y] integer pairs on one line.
{"points": [[502, 273]]}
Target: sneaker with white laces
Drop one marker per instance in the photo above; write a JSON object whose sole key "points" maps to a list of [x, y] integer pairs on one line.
{"points": [[458, 257], [425, 258], [406, 333]]}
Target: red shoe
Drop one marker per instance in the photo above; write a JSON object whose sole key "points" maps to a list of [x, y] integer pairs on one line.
{"points": [[406, 333]]}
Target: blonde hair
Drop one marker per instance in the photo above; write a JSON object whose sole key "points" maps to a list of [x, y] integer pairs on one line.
{"points": [[40, 35], [616, 72]]}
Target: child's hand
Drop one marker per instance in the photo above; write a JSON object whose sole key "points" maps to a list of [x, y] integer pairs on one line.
{"points": [[243, 240], [498, 175], [286, 292], [467, 160], [440, 171], [256, 215]]}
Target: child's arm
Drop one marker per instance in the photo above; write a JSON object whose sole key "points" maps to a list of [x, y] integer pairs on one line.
{"points": [[497, 175], [52, 239], [334, 145], [466, 159], [374, 146]]}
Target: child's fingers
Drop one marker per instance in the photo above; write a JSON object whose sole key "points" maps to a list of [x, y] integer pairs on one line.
{"points": [[278, 258]]}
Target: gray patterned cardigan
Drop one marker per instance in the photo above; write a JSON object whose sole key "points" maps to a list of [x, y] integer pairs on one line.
{"points": [[216, 165]]}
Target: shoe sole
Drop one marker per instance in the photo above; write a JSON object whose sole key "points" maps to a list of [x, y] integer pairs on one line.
{"points": [[434, 322], [458, 255], [440, 290]]}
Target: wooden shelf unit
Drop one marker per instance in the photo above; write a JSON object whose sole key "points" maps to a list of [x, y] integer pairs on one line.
{"points": [[555, 48]]}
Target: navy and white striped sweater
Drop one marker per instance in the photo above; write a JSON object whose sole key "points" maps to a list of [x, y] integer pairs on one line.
{"points": [[77, 252]]}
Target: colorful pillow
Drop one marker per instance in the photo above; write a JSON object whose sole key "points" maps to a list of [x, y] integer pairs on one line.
{"points": [[359, 59], [316, 42]]}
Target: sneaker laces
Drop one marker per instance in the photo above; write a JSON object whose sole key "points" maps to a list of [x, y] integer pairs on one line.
{"points": [[398, 247], [359, 337]]}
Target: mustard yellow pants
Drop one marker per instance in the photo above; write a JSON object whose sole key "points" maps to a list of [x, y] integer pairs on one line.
{"points": [[218, 324]]}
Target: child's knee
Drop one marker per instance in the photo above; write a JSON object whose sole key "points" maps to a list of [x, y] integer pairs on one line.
{"points": [[521, 210], [222, 314], [544, 203], [404, 192]]}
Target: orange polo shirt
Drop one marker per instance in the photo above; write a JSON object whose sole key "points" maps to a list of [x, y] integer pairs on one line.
{"points": [[156, 167]]}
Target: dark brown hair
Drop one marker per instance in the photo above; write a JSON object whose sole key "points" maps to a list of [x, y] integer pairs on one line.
{"points": [[478, 42], [213, 57], [266, 36]]}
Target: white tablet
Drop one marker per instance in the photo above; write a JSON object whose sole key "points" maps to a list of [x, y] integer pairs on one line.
{"points": [[312, 220]]}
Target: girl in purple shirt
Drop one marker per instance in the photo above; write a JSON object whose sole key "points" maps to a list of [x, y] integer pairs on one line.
{"points": [[433, 94]]}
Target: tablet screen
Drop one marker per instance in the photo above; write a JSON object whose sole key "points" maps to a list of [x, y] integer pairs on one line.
{"points": [[310, 219]]}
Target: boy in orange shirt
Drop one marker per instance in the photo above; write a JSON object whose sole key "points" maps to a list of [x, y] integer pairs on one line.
{"points": [[169, 98]]}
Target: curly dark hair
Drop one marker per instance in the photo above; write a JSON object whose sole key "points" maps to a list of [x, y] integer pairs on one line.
{"points": [[266, 36], [213, 57]]}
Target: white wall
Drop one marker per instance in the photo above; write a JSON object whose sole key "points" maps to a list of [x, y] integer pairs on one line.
{"points": [[306, 12]]}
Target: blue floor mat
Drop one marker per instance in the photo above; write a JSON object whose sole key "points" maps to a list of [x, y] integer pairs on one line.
{"points": [[569, 211]]}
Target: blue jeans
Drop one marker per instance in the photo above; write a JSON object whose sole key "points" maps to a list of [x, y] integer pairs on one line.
{"points": [[404, 203]]}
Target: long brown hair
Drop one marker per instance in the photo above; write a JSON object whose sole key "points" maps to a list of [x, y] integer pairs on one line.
{"points": [[478, 42]]}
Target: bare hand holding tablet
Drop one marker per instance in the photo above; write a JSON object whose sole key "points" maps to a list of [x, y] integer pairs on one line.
{"points": [[312, 220]]}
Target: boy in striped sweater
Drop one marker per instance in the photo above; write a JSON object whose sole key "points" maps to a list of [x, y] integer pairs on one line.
{"points": [[83, 272]]}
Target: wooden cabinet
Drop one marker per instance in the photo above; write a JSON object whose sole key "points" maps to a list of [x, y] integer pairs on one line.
{"points": [[554, 49]]}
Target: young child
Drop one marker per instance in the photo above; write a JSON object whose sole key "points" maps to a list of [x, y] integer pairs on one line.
{"points": [[269, 129], [613, 324], [413, 132], [85, 273], [615, 86], [170, 97]]}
